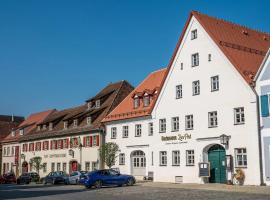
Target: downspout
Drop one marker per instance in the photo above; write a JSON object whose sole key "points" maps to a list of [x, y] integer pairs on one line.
{"points": [[259, 136]]}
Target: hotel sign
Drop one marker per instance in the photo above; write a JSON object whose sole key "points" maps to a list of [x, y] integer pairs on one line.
{"points": [[179, 137]]}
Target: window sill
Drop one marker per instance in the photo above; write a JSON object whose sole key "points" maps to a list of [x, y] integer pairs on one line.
{"points": [[195, 94], [212, 126], [162, 131], [242, 167], [151, 135], [214, 90], [113, 138], [176, 165], [124, 137], [189, 129], [121, 164], [239, 123], [175, 130], [163, 165], [138, 135]]}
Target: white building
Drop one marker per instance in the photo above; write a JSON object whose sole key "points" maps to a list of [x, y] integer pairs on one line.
{"points": [[263, 89], [204, 112]]}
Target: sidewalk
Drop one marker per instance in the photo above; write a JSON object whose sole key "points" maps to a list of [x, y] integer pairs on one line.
{"points": [[211, 187]]}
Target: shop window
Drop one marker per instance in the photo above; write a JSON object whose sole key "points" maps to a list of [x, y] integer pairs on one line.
{"points": [[64, 167], [58, 167]]}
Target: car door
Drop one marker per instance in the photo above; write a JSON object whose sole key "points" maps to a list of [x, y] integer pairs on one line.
{"points": [[105, 177], [50, 178], [72, 178], [116, 178]]}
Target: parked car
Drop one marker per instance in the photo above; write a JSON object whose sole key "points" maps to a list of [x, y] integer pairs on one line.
{"points": [[26, 178], [76, 176], [107, 177], [8, 178], [56, 177]]}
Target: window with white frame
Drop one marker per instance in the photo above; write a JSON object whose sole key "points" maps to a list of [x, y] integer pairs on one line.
{"points": [[241, 157], [125, 131], [95, 140], [182, 66], [87, 166], [195, 59], [44, 167], [58, 166], [138, 130], [8, 151], [214, 83], [179, 91], [163, 158], [239, 115], [65, 124], [113, 132], [212, 119], [98, 103], [52, 167], [75, 122], [50, 126], [175, 124], [146, 100], [121, 159], [21, 131], [175, 158], [12, 133], [189, 122], [136, 102], [190, 157], [196, 87], [152, 158], [150, 128], [162, 125], [194, 34], [64, 165], [44, 127], [89, 120]]}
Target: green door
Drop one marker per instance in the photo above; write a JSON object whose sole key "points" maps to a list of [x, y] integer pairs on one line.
{"points": [[216, 157]]}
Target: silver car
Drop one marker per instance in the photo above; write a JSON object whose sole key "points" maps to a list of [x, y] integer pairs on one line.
{"points": [[75, 177]]}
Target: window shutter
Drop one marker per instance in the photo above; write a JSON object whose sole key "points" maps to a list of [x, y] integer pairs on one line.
{"points": [[91, 141], [84, 141], [264, 106], [51, 144], [97, 138]]}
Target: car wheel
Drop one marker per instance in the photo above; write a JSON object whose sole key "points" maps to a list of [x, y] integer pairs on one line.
{"points": [[98, 184], [130, 182]]}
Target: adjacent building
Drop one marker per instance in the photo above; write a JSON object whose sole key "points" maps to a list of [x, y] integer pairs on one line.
{"points": [[69, 140], [203, 114], [263, 89]]}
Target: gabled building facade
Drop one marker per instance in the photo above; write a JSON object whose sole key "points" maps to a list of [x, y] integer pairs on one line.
{"points": [[68, 140], [263, 90], [205, 112]]}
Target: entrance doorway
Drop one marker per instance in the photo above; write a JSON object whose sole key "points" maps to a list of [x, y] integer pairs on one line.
{"points": [[216, 157], [73, 166], [138, 163], [24, 167]]}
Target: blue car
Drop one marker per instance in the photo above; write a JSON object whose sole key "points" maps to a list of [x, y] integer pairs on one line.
{"points": [[107, 177]]}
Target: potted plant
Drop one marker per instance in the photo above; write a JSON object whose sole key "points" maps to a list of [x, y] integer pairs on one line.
{"points": [[239, 177]]}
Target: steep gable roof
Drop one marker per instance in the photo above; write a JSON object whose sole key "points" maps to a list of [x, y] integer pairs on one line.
{"points": [[126, 110]]}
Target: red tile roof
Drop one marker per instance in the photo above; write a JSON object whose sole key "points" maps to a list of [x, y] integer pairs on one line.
{"points": [[126, 110]]}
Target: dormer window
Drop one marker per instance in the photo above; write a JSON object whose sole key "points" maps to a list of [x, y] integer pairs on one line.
{"points": [[97, 103], [44, 127], [89, 105], [75, 122], [146, 100], [65, 124], [50, 126], [21, 131], [88, 120], [136, 102], [12, 133], [38, 127]]}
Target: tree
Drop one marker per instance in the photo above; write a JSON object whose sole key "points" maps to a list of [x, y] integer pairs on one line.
{"points": [[35, 162], [108, 153]]}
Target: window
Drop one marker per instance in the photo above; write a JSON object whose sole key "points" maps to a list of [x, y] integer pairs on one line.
{"points": [[189, 122], [95, 140], [113, 132], [87, 141], [239, 116], [58, 166], [53, 144], [44, 127], [163, 158], [12, 133], [38, 127], [175, 124], [209, 57], [12, 151], [176, 158], [150, 128], [59, 144], [31, 147], [212, 119], [241, 157], [89, 105], [64, 167], [50, 126], [178, 91], [182, 66], [125, 131], [214, 83], [194, 34], [121, 159], [87, 166], [75, 123], [162, 125], [94, 166], [190, 157], [5, 151], [88, 120], [44, 167], [24, 147], [65, 143], [38, 146], [45, 145], [136, 102], [146, 100], [138, 130], [53, 167], [195, 59], [97, 103], [196, 87], [65, 124], [152, 158], [21, 131], [8, 151]]}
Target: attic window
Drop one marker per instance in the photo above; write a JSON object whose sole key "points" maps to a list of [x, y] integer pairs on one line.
{"points": [[88, 120], [38, 127], [50, 126], [44, 127], [146, 100], [75, 122], [12, 133], [89, 105], [65, 124], [136, 102], [97, 103], [21, 131]]}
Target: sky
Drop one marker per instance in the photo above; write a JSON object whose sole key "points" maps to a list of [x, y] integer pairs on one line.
{"points": [[58, 53]]}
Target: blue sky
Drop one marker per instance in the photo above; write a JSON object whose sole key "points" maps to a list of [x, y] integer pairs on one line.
{"points": [[56, 54]]}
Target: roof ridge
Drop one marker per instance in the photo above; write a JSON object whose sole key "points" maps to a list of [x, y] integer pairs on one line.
{"points": [[229, 22]]}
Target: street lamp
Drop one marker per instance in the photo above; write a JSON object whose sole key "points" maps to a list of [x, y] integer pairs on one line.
{"points": [[224, 139]]}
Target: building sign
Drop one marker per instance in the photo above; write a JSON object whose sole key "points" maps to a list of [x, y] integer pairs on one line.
{"points": [[63, 155], [16, 155], [204, 169], [175, 139]]}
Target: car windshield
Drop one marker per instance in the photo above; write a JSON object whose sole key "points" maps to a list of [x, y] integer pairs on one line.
{"points": [[60, 173]]}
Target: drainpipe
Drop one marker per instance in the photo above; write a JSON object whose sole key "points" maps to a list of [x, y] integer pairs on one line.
{"points": [[259, 136]]}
